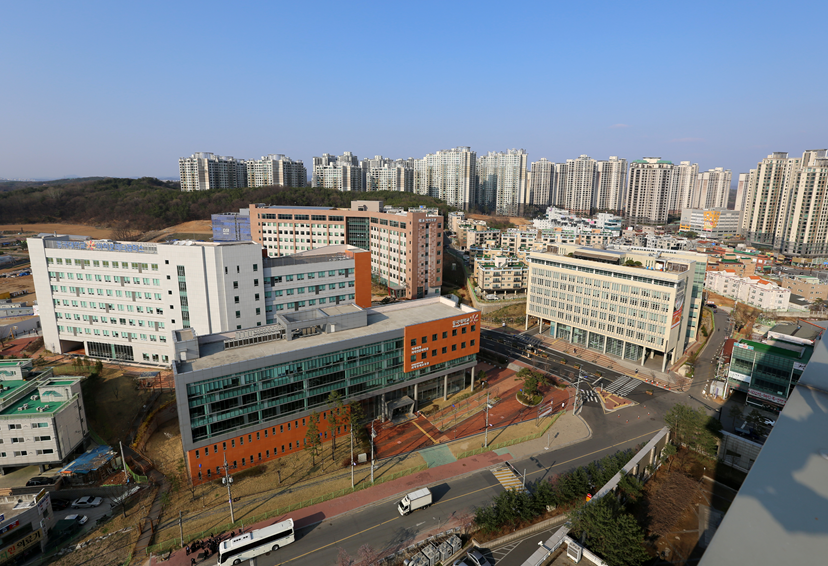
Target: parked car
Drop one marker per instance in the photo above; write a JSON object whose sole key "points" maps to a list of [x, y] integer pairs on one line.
{"points": [[59, 504], [86, 502], [768, 422], [476, 559], [81, 519], [40, 480]]}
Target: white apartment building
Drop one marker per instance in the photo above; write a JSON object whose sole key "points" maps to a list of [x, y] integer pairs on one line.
{"points": [[802, 229], [276, 170], [711, 223], [397, 176], [610, 184], [683, 182], [751, 290], [648, 191], [576, 194], [449, 175], [762, 211], [42, 420], [741, 190], [501, 182], [121, 300], [593, 300], [204, 171], [542, 183], [712, 189], [455, 219]]}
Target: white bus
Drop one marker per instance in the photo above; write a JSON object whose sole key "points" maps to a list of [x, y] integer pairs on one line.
{"points": [[255, 543]]}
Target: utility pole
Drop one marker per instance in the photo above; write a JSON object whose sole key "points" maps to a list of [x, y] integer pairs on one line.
{"points": [[181, 528], [486, 437], [577, 393], [373, 435], [352, 458], [228, 480], [455, 421]]}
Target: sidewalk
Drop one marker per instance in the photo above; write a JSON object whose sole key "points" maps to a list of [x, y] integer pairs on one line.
{"points": [[665, 380], [567, 430]]}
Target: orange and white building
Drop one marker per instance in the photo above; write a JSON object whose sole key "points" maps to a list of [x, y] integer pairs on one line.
{"points": [[248, 396], [752, 290], [711, 223]]}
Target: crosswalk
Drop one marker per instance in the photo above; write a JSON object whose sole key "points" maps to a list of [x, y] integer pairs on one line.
{"points": [[588, 395], [508, 479], [622, 386]]}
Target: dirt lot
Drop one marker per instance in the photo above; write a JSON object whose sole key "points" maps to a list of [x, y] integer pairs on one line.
{"points": [[80, 229], [115, 402], [196, 229], [517, 221]]}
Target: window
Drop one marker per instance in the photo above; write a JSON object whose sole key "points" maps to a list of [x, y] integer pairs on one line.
{"points": [[444, 350], [454, 332], [454, 347], [423, 340], [433, 337], [235, 284], [445, 335], [238, 314]]}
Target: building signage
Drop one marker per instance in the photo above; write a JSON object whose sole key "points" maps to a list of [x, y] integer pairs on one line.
{"points": [[678, 307], [13, 550], [419, 365], [418, 349], [464, 321], [429, 219], [799, 366], [743, 346], [766, 396], [740, 376], [102, 246], [9, 527], [258, 331]]}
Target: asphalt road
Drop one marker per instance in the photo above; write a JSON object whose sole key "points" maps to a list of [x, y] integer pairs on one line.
{"points": [[381, 526]]}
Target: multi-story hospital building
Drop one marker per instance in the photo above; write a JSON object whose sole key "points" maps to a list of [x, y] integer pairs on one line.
{"points": [[122, 300]]}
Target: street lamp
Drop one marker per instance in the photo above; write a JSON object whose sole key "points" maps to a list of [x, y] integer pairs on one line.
{"points": [[486, 437], [373, 436]]}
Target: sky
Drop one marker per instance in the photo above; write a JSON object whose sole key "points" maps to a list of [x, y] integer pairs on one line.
{"points": [[125, 89]]}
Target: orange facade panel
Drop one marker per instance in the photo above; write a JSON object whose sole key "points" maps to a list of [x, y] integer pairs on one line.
{"points": [[441, 340], [362, 278]]}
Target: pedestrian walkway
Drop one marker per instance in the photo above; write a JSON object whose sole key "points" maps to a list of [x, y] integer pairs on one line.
{"points": [[622, 386], [508, 479], [665, 380]]}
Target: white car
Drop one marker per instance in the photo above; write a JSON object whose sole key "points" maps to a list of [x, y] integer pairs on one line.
{"points": [[86, 502], [477, 559], [768, 422], [81, 519]]}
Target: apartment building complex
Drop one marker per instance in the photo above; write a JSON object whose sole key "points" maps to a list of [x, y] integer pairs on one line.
{"points": [[501, 182], [807, 286], [342, 173], [276, 170], [682, 185], [711, 223], [649, 190], [752, 290], [44, 419], [592, 298], [406, 246], [611, 184], [449, 175], [784, 204], [204, 171], [712, 189], [248, 397], [542, 183], [121, 300]]}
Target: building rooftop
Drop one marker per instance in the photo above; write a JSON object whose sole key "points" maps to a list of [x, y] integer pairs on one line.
{"points": [[804, 331], [796, 354], [212, 351], [779, 515]]}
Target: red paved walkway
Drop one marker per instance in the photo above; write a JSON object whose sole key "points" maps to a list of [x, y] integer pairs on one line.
{"points": [[324, 511]]}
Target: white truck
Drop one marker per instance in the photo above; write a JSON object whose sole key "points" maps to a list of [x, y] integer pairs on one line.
{"points": [[414, 500]]}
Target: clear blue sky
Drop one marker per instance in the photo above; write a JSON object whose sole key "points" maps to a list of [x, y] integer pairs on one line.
{"points": [[125, 89]]}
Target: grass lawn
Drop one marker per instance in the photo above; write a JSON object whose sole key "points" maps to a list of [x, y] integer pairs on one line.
{"points": [[205, 506], [496, 436]]}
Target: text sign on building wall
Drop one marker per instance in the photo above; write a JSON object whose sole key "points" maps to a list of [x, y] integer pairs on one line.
{"points": [[14, 549], [429, 219], [101, 246], [766, 396]]}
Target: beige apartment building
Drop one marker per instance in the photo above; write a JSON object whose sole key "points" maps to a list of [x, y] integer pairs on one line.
{"points": [[406, 245], [500, 274], [594, 299], [805, 286]]}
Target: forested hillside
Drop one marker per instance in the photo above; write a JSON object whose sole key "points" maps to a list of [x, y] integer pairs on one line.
{"points": [[149, 204], [14, 185]]}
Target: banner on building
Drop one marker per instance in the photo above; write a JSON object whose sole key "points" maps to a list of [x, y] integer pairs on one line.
{"points": [[678, 308]]}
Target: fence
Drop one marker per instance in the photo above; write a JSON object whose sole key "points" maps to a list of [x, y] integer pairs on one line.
{"points": [[176, 542], [512, 442]]}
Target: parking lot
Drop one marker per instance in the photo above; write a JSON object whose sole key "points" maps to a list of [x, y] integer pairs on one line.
{"points": [[94, 513]]}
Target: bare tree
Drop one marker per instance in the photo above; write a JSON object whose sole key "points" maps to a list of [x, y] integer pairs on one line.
{"points": [[367, 555], [343, 558], [124, 233]]}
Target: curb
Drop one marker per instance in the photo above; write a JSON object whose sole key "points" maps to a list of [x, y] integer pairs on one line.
{"points": [[523, 533]]}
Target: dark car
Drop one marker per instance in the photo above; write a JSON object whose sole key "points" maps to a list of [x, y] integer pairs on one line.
{"points": [[39, 481], [59, 504]]}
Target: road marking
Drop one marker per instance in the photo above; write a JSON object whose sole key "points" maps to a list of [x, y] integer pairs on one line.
{"points": [[424, 432], [508, 480], [441, 502]]}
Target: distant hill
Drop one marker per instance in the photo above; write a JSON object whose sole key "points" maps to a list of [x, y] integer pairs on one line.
{"points": [[6, 185], [150, 204]]}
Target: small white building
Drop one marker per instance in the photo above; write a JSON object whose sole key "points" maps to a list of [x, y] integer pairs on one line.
{"points": [[42, 419], [753, 290]]}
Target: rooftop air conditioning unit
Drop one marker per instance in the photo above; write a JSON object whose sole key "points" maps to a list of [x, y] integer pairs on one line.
{"points": [[25, 405], [20, 408]]}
